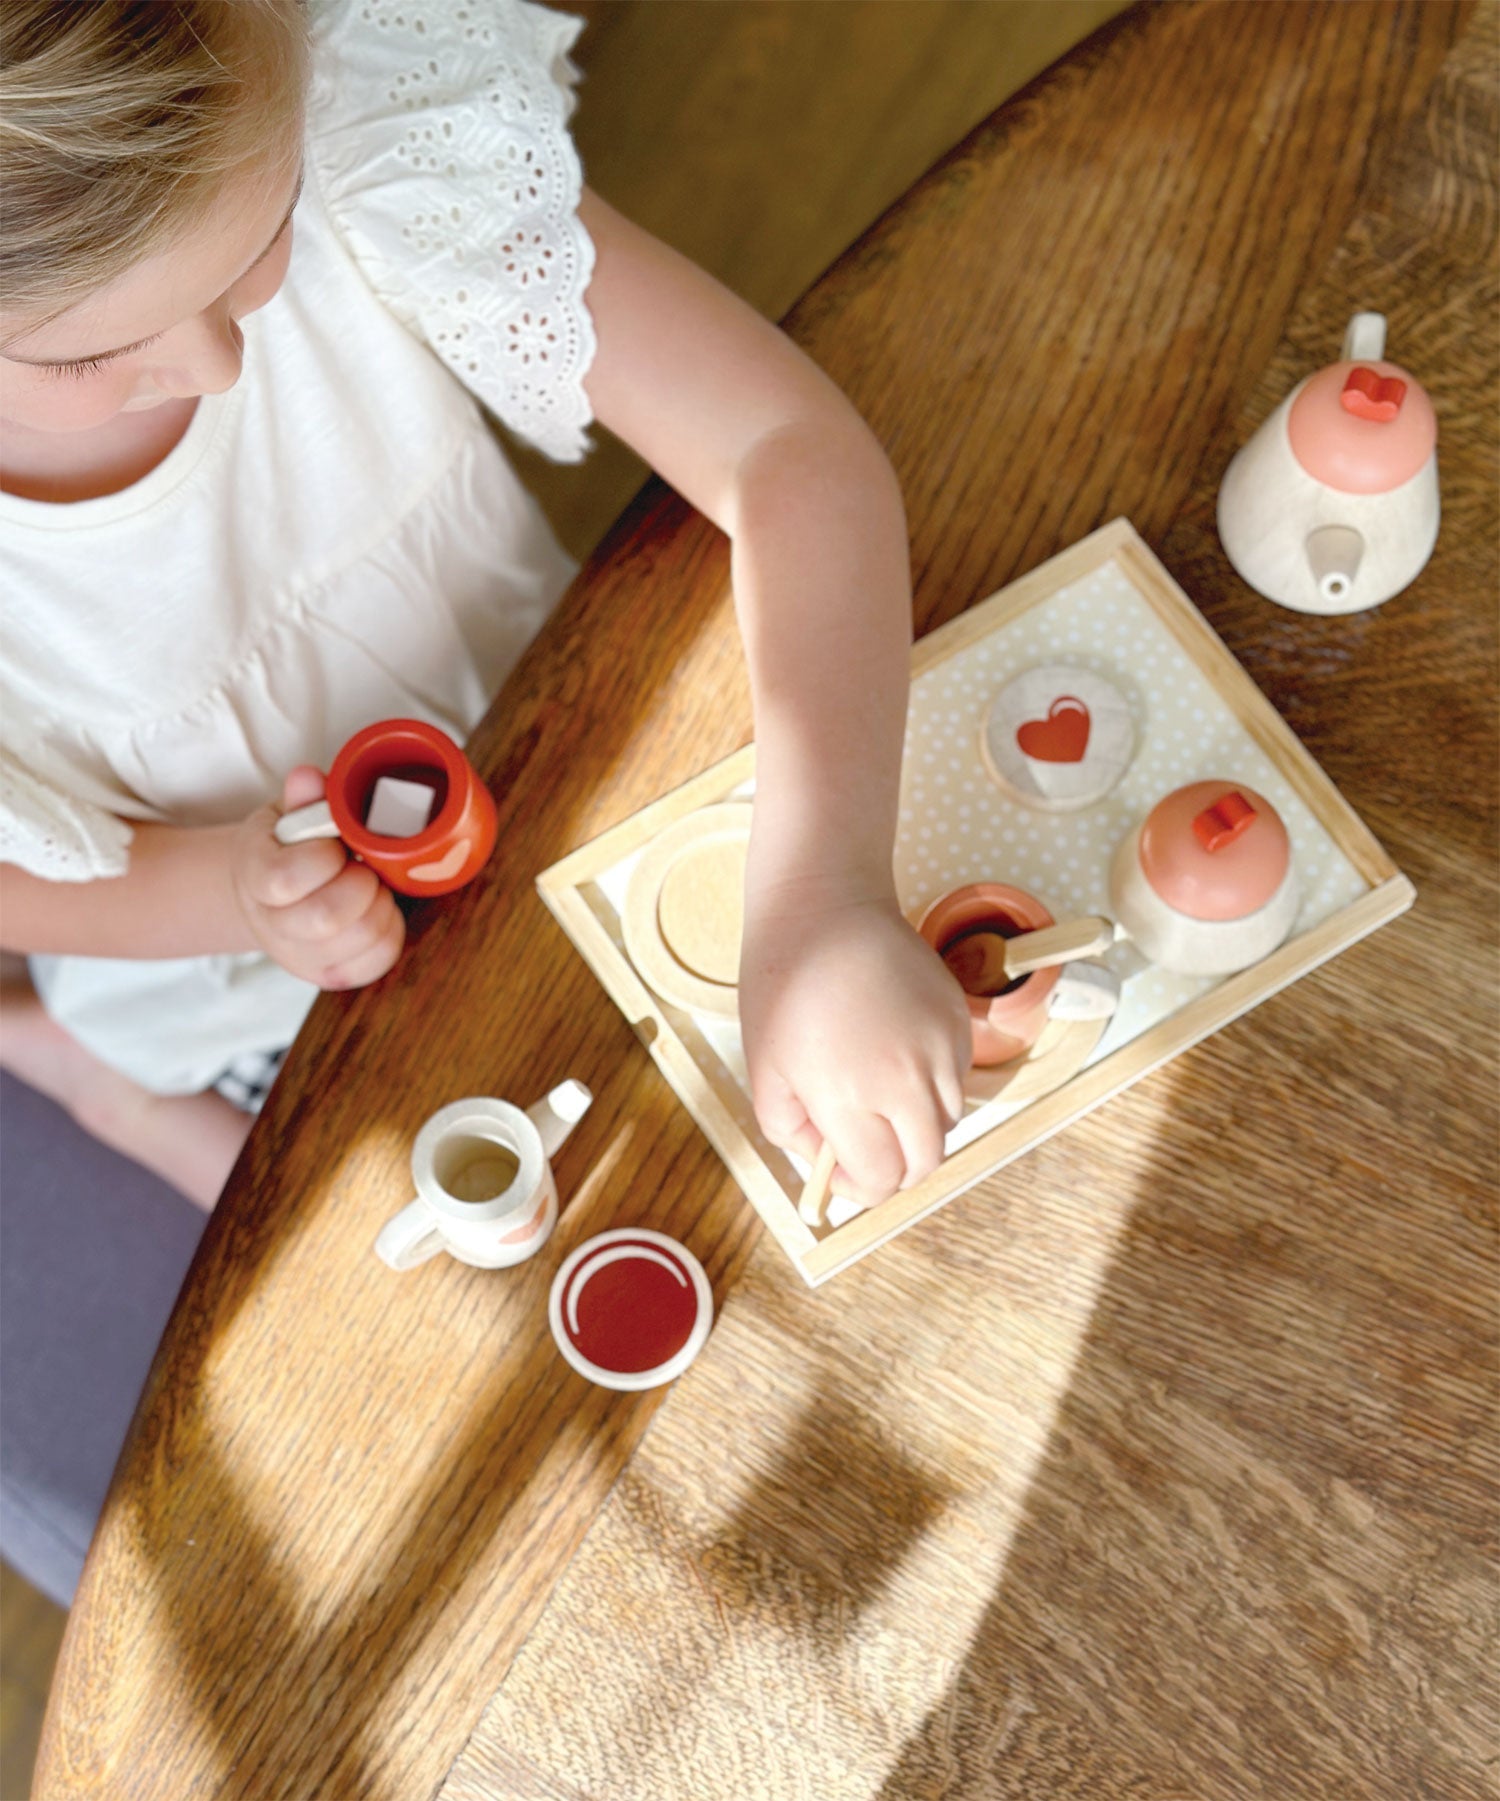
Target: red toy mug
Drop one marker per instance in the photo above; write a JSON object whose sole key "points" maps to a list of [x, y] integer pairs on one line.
{"points": [[449, 850]]}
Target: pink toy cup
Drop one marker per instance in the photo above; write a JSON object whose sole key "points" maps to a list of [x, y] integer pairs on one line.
{"points": [[449, 850], [1005, 1025]]}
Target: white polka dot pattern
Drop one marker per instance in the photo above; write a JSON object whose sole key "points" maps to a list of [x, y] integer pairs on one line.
{"points": [[956, 826]]}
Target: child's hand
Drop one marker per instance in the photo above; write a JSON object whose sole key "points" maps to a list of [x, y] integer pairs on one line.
{"points": [[853, 1031], [312, 908]]}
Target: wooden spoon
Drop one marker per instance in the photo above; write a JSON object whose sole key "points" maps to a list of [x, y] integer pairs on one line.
{"points": [[983, 961], [813, 1206]]}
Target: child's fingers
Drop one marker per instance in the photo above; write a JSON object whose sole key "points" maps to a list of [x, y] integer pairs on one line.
{"points": [[920, 1129], [780, 1113], [371, 961], [303, 785], [869, 1156], [370, 927], [290, 872], [806, 1142], [330, 910], [950, 1094]]}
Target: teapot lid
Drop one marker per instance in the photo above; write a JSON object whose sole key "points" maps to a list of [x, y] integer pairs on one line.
{"points": [[1362, 427], [1215, 850]]}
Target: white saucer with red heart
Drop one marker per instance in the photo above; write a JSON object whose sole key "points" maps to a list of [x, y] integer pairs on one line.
{"points": [[1058, 738]]}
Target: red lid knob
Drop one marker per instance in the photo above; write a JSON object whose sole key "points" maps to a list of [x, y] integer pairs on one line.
{"points": [[1370, 395], [1222, 823]]}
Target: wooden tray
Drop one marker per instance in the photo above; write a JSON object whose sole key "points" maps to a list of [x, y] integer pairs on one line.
{"points": [[1105, 604]]}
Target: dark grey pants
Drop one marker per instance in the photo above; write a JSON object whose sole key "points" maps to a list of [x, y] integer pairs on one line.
{"points": [[92, 1253]]}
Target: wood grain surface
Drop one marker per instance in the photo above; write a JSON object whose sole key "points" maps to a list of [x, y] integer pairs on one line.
{"points": [[1161, 1467], [1172, 1473]]}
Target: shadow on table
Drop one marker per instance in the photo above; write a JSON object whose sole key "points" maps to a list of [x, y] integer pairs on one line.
{"points": [[1253, 1561], [837, 1515]]}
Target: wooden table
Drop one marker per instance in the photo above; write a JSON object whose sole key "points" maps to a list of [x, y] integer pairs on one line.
{"points": [[1158, 1465]]}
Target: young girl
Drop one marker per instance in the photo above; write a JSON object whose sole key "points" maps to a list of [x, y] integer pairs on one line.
{"points": [[250, 503]]}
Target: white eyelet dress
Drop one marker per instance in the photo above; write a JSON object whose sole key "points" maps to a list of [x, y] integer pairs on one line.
{"points": [[337, 539]]}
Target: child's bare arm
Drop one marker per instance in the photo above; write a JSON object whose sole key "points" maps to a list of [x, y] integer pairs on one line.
{"points": [[853, 1029], [194, 892]]}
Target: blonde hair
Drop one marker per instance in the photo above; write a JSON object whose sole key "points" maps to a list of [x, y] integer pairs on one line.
{"points": [[120, 121]]}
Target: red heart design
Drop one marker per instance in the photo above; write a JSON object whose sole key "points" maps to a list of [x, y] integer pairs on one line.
{"points": [[1062, 737], [1370, 395]]}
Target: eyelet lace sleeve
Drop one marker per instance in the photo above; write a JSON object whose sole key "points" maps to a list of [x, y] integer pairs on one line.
{"points": [[52, 835], [439, 137]]}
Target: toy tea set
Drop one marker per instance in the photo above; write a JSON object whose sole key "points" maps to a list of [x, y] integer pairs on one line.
{"points": [[1081, 751], [1107, 832], [630, 1308]]}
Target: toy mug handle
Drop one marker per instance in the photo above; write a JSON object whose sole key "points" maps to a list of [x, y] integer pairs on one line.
{"points": [[408, 1239], [302, 823]]}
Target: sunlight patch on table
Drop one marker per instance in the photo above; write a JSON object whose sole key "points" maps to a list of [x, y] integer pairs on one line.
{"points": [[790, 1576]]}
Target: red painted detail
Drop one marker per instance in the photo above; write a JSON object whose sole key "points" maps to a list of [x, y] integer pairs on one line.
{"points": [[1224, 821], [634, 1312], [1062, 737], [1370, 395]]}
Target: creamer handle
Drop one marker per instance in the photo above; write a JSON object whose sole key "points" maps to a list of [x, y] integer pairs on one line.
{"points": [[408, 1239]]}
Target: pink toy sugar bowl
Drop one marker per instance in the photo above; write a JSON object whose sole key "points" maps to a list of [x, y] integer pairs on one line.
{"points": [[1004, 1025], [1206, 885], [1332, 506]]}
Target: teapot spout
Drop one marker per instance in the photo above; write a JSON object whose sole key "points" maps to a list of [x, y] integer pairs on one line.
{"points": [[556, 1114], [1333, 555]]}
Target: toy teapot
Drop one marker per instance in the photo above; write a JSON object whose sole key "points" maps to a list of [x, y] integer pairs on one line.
{"points": [[1205, 886], [1332, 506]]}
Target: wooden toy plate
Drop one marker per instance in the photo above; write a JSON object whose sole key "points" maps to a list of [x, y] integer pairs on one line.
{"points": [[627, 900], [684, 909]]}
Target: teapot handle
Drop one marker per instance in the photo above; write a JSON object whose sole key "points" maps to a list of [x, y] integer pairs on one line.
{"points": [[1364, 339]]}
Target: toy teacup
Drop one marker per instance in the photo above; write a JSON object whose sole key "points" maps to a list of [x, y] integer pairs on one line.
{"points": [[438, 847], [1007, 1023]]}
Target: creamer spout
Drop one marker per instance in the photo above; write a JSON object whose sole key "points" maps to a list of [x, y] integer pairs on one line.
{"points": [[556, 1114]]}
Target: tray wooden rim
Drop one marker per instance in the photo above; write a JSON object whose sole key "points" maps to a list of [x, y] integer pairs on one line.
{"points": [[723, 1112]]}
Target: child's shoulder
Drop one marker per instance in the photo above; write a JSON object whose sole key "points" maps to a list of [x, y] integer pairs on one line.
{"points": [[438, 138], [412, 53]]}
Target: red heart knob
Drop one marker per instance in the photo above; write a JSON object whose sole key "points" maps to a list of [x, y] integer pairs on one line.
{"points": [[1062, 737], [1370, 395]]}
